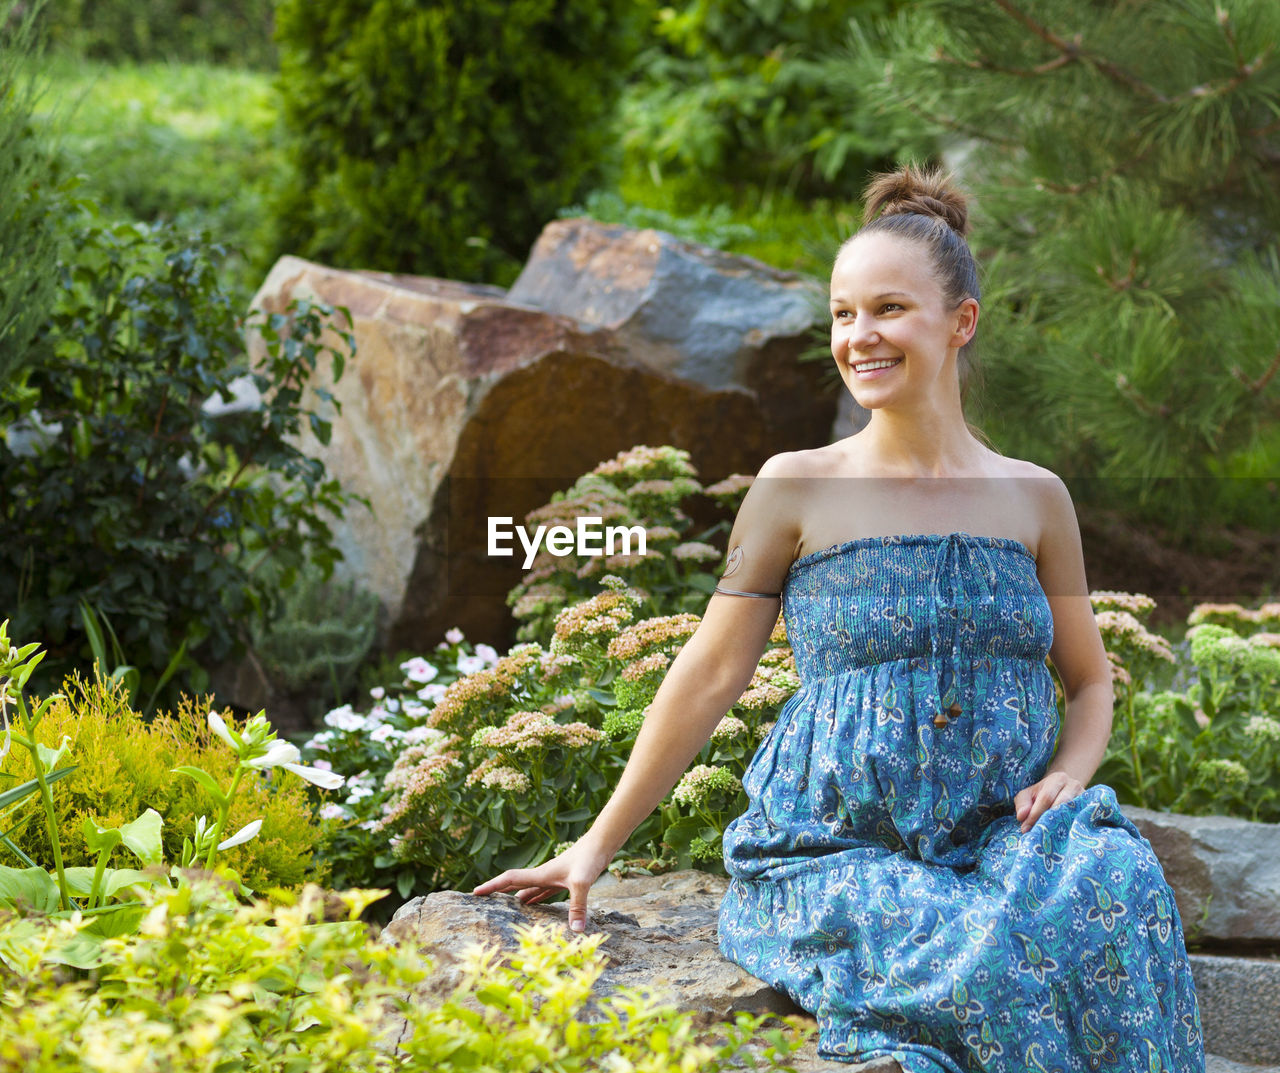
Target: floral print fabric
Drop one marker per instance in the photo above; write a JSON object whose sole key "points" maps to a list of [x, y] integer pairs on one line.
{"points": [[879, 876]]}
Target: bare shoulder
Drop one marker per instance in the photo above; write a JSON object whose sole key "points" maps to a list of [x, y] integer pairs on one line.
{"points": [[802, 465], [1059, 553]]}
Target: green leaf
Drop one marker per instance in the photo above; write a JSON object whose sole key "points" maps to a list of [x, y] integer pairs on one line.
{"points": [[142, 836], [32, 786], [205, 780], [603, 698], [98, 838], [405, 884], [50, 758], [33, 888]]}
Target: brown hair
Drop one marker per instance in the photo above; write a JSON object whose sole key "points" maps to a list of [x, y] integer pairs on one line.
{"points": [[925, 206]]}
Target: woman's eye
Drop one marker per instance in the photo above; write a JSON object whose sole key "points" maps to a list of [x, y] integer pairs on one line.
{"points": [[889, 307]]}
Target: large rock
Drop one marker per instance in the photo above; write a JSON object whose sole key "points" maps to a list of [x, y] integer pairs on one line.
{"points": [[462, 404], [1225, 872], [660, 935]]}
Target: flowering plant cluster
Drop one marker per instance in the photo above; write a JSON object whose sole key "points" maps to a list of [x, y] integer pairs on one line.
{"points": [[362, 746], [1210, 743], [644, 486], [520, 751]]}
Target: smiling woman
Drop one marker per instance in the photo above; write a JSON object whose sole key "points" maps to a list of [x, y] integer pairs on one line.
{"points": [[921, 863]]}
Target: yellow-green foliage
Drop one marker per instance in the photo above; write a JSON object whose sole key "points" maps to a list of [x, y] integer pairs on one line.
{"points": [[125, 766], [210, 984]]}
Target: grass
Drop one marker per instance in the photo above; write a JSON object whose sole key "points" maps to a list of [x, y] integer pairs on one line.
{"points": [[188, 143]]}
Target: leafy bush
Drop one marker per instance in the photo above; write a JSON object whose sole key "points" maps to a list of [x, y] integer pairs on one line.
{"points": [[28, 219], [211, 984], [125, 764], [139, 496], [233, 32], [738, 92], [1210, 744], [440, 138]]}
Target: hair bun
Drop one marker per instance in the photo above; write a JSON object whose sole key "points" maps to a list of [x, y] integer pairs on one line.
{"points": [[928, 192]]}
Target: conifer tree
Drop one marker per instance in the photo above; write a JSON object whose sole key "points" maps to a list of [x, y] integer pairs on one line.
{"points": [[1125, 158]]}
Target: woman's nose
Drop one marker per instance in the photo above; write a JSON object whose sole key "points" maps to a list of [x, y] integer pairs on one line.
{"points": [[863, 334]]}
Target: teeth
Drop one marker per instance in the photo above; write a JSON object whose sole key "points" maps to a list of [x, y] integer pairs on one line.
{"points": [[883, 363]]}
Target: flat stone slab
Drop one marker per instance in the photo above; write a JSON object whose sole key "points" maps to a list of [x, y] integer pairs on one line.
{"points": [[1225, 872], [1239, 1006]]}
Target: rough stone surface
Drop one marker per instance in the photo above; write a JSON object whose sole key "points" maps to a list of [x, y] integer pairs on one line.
{"points": [[462, 404], [1224, 872], [1239, 1006], [660, 933]]}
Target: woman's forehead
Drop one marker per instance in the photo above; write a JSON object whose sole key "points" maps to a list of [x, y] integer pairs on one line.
{"points": [[883, 262]]}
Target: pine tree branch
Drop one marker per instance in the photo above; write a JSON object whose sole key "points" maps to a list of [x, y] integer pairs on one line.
{"points": [[1151, 409], [1073, 50], [1019, 72], [1263, 380], [1120, 285]]}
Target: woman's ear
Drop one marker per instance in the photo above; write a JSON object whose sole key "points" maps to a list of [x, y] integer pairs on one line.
{"points": [[966, 322]]}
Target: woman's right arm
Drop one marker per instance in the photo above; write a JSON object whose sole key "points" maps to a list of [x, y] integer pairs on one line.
{"points": [[706, 678]]}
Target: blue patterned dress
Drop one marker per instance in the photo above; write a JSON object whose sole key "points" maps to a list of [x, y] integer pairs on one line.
{"points": [[879, 876]]}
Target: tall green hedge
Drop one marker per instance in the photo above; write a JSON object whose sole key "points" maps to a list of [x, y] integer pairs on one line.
{"points": [[232, 32], [440, 137]]}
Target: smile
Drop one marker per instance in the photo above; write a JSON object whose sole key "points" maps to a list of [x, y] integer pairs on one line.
{"points": [[871, 366]]}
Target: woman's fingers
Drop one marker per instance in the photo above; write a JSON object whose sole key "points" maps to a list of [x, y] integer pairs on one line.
{"points": [[1034, 801]]}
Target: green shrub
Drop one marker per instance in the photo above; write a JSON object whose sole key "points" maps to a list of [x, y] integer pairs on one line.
{"points": [[318, 638], [738, 91], [232, 32], [440, 138], [125, 766], [211, 984], [139, 498], [29, 202]]}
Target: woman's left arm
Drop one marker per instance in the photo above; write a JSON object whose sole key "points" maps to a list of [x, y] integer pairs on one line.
{"points": [[1078, 656]]}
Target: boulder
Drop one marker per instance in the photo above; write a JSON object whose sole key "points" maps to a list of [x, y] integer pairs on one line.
{"points": [[463, 404], [1225, 872], [660, 935]]}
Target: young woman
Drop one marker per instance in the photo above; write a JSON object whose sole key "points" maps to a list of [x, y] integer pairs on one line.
{"points": [[921, 864]]}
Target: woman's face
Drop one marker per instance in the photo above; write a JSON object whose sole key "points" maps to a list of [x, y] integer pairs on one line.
{"points": [[893, 337]]}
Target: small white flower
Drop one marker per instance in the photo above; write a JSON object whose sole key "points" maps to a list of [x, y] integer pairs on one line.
{"points": [[377, 692], [332, 811], [280, 753], [368, 825], [344, 719], [326, 780], [322, 765], [248, 831], [419, 670], [432, 693], [487, 653], [453, 636], [470, 664], [218, 725], [386, 732]]}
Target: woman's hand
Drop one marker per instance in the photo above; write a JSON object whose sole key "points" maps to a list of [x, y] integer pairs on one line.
{"points": [[1055, 788], [573, 870]]}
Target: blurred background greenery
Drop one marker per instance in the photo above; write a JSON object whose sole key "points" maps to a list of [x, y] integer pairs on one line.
{"points": [[1124, 160]]}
